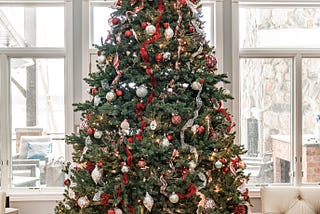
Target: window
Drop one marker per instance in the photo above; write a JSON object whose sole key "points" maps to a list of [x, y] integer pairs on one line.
{"points": [[35, 80], [279, 83]]}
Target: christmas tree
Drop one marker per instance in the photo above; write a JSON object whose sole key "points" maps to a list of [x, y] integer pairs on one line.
{"points": [[155, 137]]}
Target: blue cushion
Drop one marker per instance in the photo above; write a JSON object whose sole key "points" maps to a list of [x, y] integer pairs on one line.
{"points": [[39, 150]]}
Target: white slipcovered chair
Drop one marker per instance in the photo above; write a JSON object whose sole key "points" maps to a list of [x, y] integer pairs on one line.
{"points": [[3, 209], [290, 200]]}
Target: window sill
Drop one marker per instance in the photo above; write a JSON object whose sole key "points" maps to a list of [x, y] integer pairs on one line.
{"points": [[35, 195]]}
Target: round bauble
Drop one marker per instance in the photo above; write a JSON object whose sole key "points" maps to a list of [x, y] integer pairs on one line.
{"points": [[225, 170], [83, 202], [201, 130], [176, 119], [242, 165], [125, 125], [168, 33], [174, 198], [209, 204], [144, 25], [101, 59], [111, 211], [90, 131], [111, 96], [125, 169], [169, 137], [142, 91], [115, 20], [151, 30], [211, 61], [194, 128], [196, 85], [117, 211], [119, 93], [166, 25], [192, 165], [159, 57], [142, 163], [128, 33], [166, 56], [98, 134], [165, 142], [191, 29]]}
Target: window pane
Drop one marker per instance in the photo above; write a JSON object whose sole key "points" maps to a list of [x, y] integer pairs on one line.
{"points": [[100, 26], [279, 27], [311, 120], [37, 97], [31, 27], [265, 117]]}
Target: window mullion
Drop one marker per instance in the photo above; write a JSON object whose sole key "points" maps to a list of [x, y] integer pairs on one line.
{"points": [[296, 124]]}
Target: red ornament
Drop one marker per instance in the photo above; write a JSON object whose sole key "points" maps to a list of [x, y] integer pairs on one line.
{"points": [[144, 25], [191, 28], [67, 182], [200, 130], [159, 57], [128, 33], [240, 209], [94, 90], [142, 163], [169, 137], [223, 160], [111, 212], [166, 25], [100, 163], [211, 61], [201, 81], [118, 3], [176, 119], [89, 166], [90, 131], [119, 93], [104, 199], [115, 21], [225, 170], [183, 2], [130, 140]]}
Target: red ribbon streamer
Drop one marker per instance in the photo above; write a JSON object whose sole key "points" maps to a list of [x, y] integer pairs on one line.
{"points": [[125, 178], [225, 113], [130, 156], [118, 190], [192, 189]]}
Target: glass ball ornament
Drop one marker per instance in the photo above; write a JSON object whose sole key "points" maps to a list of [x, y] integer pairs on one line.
{"points": [[165, 142], [166, 56], [176, 119], [125, 125], [174, 198], [117, 211], [168, 33], [218, 165], [83, 202], [124, 169], [196, 85], [111, 96], [211, 61], [142, 91], [151, 30], [101, 59], [97, 134]]}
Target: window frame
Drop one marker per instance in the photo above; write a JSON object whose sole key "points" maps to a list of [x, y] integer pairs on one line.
{"points": [[5, 124], [296, 54]]}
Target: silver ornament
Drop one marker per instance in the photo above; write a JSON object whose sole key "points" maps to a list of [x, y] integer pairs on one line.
{"points": [[174, 198], [111, 96], [192, 165], [96, 174], [151, 30], [83, 202], [142, 91], [117, 211], [101, 59], [196, 85], [97, 134], [185, 85], [97, 195], [168, 33], [153, 125], [104, 84], [88, 141], [96, 100], [194, 129], [209, 204], [71, 193], [124, 169], [125, 125], [148, 202], [166, 56], [165, 142]]}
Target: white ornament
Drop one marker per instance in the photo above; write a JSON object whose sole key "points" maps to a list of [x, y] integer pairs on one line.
{"points": [[148, 202], [166, 55], [196, 85], [97, 195], [84, 125], [117, 211], [101, 59], [142, 91], [194, 128], [71, 193], [88, 141], [125, 125], [192, 165], [125, 169], [153, 125], [96, 100], [111, 96], [165, 142], [96, 174], [151, 30], [83, 202], [168, 33], [174, 198], [185, 85], [97, 134], [209, 204]]}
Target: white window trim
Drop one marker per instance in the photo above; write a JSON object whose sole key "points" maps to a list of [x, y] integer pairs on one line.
{"points": [[53, 193]]}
